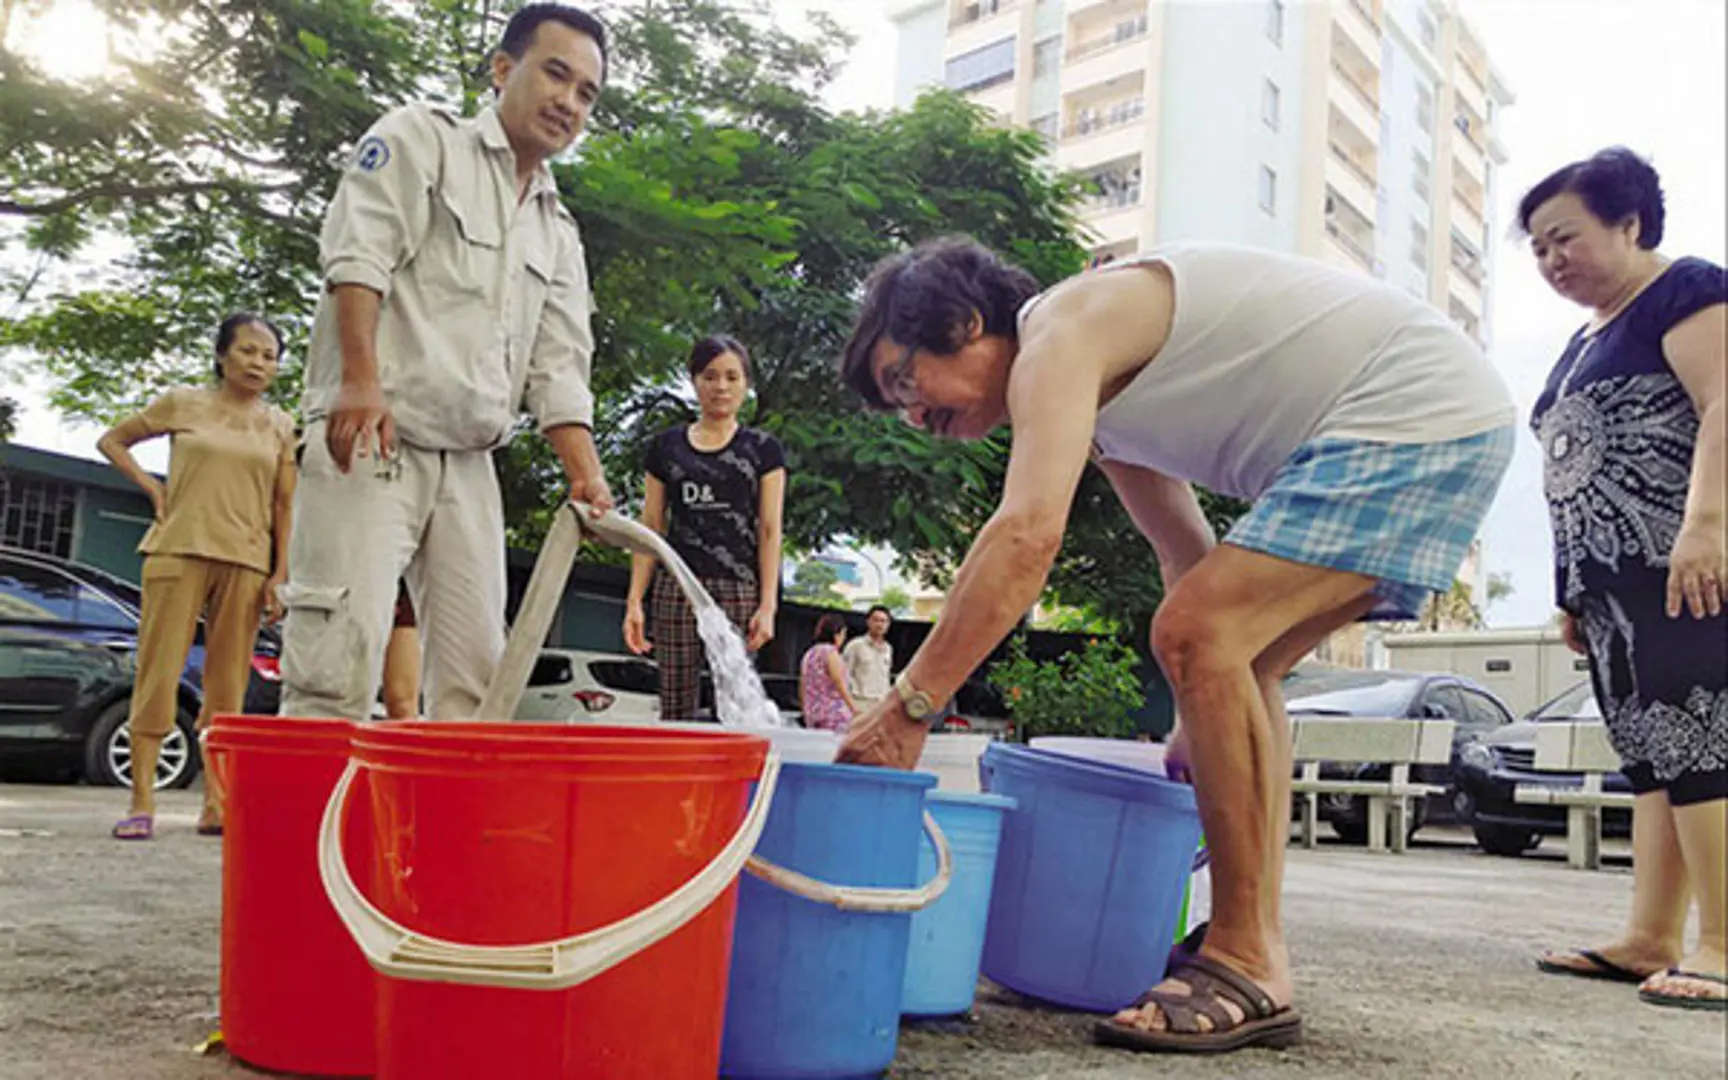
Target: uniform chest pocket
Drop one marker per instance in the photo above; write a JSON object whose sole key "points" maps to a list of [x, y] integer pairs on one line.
{"points": [[467, 255], [536, 288]]}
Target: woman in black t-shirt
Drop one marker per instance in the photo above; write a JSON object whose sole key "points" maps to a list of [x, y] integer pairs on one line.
{"points": [[715, 489]]}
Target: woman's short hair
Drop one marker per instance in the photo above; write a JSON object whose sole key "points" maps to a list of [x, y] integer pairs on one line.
{"points": [[705, 352], [230, 329], [1614, 184], [926, 297], [828, 626]]}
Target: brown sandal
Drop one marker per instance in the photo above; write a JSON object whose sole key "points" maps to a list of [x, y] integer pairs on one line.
{"points": [[1211, 984]]}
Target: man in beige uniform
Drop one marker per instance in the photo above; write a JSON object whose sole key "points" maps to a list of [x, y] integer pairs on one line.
{"points": [[456, 293], [870, 659]]}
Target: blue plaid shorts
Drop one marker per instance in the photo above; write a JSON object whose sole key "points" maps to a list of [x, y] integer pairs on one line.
{"points": [[1405, 513]]}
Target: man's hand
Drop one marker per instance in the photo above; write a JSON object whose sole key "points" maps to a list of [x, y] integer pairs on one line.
{"points": [[1570, 635], [359, 421], [884, 736], [593, 491]]}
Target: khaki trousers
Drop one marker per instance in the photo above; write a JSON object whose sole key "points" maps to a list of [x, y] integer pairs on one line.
{"points": [[432, 518], [178, 590]]}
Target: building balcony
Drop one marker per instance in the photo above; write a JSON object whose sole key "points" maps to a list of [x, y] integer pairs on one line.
{"points": [[977, 26], [1352, 252], [1360, 106], [1086, 147], [1472, 95], [1469, 158], [1113, 221], [969, 12], [1345, 181], [1467, 215], [1104, 59], [1356, 18]]}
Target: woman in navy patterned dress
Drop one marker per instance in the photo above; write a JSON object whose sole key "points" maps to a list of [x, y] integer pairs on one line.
{"points": [[1631, 426]]}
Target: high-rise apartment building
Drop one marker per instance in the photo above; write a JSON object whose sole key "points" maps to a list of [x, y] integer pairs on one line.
{"points": [[1360, 132]]}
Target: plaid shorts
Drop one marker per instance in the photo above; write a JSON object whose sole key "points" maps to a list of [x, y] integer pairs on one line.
{"points": [[678, 647], [1405, 513]]}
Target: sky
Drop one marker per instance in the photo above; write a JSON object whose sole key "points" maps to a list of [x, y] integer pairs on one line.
{"points": [[1649, 74]]}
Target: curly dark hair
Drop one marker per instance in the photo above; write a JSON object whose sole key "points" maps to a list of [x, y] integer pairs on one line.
{"points": [[926, 297], [1615, 184]]}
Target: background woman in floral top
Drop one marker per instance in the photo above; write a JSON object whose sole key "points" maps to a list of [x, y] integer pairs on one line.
{"points": [[1631, 426]]}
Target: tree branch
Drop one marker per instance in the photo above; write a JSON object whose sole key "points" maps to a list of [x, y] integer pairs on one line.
{"points": [[134, 192]]}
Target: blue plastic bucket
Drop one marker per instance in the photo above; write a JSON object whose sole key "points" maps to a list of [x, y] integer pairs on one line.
{"points": [[1090, 878], [815, 991], [948, 936]]}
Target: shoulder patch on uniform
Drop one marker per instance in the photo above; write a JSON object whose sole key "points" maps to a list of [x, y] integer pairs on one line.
{"points": [[372, 154]]}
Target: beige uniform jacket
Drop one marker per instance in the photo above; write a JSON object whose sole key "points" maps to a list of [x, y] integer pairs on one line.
{"points": [[485, 299]]}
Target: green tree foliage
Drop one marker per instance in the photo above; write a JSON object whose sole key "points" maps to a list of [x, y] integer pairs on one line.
{"points": [[715, 192]]}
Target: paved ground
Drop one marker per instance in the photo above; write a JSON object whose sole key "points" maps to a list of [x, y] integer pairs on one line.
{"points": [[1413, 966]]}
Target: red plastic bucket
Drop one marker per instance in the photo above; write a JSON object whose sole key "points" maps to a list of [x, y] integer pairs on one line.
{"points": [[297, 995], [550, 900]]}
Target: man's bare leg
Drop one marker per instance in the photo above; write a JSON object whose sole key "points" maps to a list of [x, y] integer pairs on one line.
{"points": [[1215, 637]]}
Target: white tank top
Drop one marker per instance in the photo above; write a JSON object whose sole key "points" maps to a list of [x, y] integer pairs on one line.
{"points": [[1268, 351]]}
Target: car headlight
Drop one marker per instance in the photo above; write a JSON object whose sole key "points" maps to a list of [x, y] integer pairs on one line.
{"points": [[1477, 756]]}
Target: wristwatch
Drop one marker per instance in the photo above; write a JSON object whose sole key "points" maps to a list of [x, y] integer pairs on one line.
{"points": [[920, 706]]}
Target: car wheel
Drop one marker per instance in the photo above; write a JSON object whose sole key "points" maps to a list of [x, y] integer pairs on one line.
{"points": [[1507, 840], [108, 751], [1463, 807]]}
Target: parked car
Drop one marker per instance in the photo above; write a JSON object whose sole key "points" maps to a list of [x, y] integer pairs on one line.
{"points": [[1490, 771], [1321, 691], [68, 649], [570, 684]]}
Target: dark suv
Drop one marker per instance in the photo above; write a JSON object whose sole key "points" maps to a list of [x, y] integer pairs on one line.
{"points": [[1323, 691], [68, 646], [1489, 774]]}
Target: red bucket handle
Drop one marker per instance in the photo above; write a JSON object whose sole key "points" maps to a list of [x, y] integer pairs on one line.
{"points": [[401, 953]]}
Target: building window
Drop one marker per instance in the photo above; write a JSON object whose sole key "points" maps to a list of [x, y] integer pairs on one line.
{"points": [[1425, 109], [1275, 21], [1046, 57], [1429, 32], [1269, 104], [37, 515], [982, 67], [1419, 243], [1268, 190], [1421, 171], [1118, 186]]}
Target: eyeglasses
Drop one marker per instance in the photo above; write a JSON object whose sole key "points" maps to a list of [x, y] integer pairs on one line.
{"points": [[899, 384]]}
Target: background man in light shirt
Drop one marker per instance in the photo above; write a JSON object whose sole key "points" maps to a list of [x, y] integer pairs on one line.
{"points": [[869, 659]]}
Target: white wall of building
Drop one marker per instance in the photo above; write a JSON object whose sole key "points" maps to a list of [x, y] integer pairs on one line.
{"points": [[1213, 138], [1401, 202], [918, 64]]}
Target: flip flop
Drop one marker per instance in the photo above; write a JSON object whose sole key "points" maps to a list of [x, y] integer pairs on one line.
{"points": [[209, 830], [1600, 968], [1211, 984], [1682, 1001], [136, 827]]}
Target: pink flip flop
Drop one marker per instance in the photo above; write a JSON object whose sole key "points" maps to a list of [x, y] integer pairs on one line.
{"points": [[136, 827]]}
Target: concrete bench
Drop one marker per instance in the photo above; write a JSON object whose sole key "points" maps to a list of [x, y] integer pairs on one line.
{"points": [[1576, 747], [1398, 743]]}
